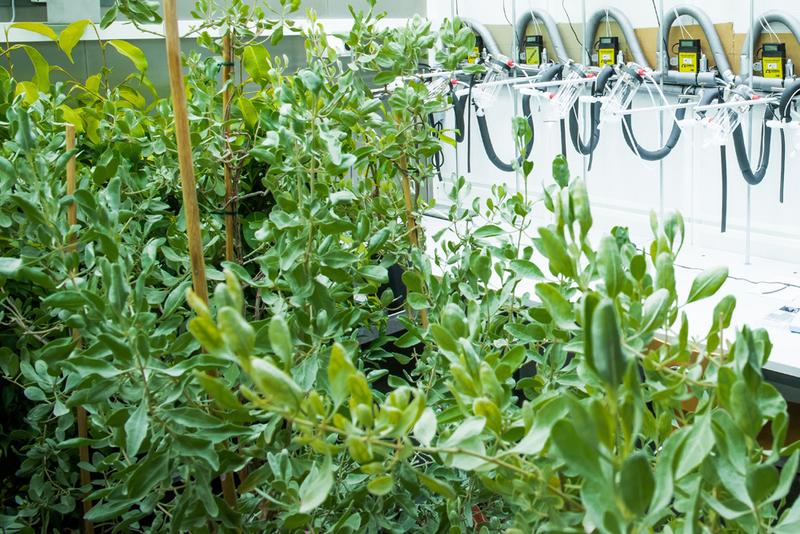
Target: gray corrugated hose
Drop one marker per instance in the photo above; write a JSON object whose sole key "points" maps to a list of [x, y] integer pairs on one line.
{"points": [[625, 25], [550, 25], [488, 40], [717, 50], [770, 17]]}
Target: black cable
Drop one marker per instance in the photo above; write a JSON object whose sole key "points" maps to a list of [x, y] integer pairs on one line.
{"points": [[658, 19], [572, 27], [754, 177], [563, 138], [783, 162], [469, 123], [437, 160], [724, 161], [505, 13]]}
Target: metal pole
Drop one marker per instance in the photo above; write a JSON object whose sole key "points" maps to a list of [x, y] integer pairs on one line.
{"points": [[515, 58], [661, 126], [748, 226], [584, 106]]}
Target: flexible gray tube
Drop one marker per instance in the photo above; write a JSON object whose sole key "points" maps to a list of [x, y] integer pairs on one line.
{"points": [[627, 30], [488, 40], [550, 25], [770, 17], [718, 51], [686, 78]]}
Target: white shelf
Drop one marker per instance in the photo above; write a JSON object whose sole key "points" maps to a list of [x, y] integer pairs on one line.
{"points": [[128, 32]]}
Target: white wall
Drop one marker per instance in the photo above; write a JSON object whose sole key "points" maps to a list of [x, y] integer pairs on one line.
{"points": [[624, 188]]}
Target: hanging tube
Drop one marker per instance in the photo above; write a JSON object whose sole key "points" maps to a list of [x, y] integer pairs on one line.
{"points": [[625, 25], [488, 39], [770, 17], [588, 148], [718, 51], [550, 25]]}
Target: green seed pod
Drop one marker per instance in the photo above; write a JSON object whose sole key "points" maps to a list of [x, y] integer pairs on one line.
{"points": [[275, 384], [463, 382], [237, 333]]}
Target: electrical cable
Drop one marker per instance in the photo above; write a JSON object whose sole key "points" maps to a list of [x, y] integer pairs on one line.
{"points": [[572, 27], [724, 160], [655, 9]]}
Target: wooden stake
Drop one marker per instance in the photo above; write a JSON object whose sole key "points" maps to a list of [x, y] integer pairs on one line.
{"points": [[83, 427], [231, 205], [411, 222], [188, 185]]}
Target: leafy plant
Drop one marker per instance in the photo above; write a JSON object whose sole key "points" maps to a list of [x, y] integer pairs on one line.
{"points": [[538, 382]]}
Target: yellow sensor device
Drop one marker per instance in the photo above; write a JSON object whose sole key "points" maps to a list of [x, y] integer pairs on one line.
{"points": [[532, 53], [773, 59], [689, 55], [607, 51]]}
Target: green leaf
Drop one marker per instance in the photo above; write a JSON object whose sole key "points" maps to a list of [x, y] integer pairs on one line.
{"points": [[257, 63], [136, 429], [655, 311], [275, 384], [418, 301], [191, 447], [71, 36], [526, 269], [280, 339], [41, 68], [607, 356], [316, 486], [609, 264], [131, 52], [37, 27], [218, 391], [381, 485], [637, 483], [9, 267], [487, 231], [559, 308], [340, 369], [444, 340], [762, 480], [707, 283], [561, 171], [425, 429], [555, 250], [788, 474], [153, 468], [578, 454], [437, 486]]}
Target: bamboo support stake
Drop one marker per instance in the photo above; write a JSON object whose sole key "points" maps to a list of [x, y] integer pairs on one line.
{"points": [[231, 205], [83, 430], [411, 222], [188, 185]]}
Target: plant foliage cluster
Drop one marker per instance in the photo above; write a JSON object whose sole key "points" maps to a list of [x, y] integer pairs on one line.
{"points": [[526, 391]]}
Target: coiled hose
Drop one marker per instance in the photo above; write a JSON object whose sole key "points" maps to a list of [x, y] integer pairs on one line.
{"points": [[785, 114], [588, 148], [546, 76], [460, 106]]}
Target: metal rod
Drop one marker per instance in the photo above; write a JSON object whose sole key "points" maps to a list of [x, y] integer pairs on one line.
{"points": [[750, 103], [749, 225]]}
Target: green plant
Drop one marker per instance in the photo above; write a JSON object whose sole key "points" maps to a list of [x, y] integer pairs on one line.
{"points": [[503, 414], [603, 436]]}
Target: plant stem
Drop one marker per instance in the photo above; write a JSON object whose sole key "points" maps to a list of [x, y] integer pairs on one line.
{"points": [[188, 184]]}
